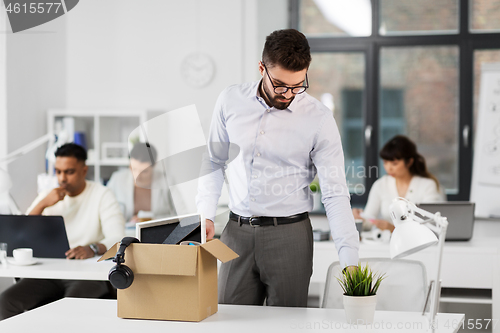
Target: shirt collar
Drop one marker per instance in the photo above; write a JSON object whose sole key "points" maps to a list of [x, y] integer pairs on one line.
{"points": [[255, 93]]}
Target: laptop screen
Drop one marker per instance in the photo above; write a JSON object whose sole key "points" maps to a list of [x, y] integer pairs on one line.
{"points": [[460, 215], [172, 230], [46, 235]]}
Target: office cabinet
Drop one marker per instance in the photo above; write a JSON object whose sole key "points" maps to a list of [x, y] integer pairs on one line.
{"points": [[105, 133]]}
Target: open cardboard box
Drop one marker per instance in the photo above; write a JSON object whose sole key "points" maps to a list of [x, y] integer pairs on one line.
{"points": [[171, 282]]}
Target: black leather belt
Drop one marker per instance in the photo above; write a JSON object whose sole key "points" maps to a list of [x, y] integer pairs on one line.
{"points": [[261, 221]]}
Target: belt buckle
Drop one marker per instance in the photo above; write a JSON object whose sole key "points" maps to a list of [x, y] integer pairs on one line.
{"points": [[250, 221]]}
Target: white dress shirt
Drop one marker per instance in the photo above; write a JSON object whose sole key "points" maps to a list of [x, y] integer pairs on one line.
{"points": [[281, 151], [384, 190]]}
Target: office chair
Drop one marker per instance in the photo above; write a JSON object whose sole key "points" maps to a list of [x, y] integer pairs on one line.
{"points": [[403, 289]]}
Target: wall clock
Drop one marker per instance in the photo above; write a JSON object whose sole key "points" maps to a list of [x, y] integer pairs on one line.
{"points": [[198, 70]]}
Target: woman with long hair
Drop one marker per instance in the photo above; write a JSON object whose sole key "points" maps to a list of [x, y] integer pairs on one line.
{"points": [[407, 177]]}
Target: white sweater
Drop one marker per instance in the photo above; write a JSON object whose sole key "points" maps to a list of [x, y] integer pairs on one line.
{"points": [[93, 216], [384, 190]]}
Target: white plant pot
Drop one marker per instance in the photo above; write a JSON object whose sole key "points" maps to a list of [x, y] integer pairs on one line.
{"points": [[360, 309]]}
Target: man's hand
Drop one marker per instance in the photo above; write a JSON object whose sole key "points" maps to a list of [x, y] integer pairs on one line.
{"points": [[54, 196], [210, 229], [383, 224], [80, 252], [351, 269], [51, 199]]}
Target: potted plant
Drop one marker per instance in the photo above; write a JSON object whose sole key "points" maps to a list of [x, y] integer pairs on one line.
{"points": [[360, 287]]}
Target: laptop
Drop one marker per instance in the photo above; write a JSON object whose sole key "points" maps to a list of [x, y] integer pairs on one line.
{"points": [[46, 235], [460, 216]]}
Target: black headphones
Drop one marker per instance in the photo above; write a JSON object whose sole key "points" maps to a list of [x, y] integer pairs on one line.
{"points": [[121, 276]]}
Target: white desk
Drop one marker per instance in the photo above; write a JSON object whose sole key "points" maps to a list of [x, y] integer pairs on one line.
{"points": [[94, 315], [66, 269], [474, 264]]}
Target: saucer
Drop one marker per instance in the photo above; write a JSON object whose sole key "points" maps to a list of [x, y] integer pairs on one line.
{"points": [[17, 263]]}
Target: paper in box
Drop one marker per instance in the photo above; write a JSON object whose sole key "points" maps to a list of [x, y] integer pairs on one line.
{"points": [[171, 282]]}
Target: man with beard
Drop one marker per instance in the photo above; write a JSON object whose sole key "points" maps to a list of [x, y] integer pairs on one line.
{"points": [[277, 126], [93, 222]]}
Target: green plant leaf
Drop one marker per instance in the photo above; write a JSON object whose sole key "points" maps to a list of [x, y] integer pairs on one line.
{"points": [[361, 282]]}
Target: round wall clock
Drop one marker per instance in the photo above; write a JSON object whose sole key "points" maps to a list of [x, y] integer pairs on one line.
{"points": [[198, 70]]}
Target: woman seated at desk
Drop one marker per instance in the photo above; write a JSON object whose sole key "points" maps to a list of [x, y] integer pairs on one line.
{"points": [[407, 177], [135, 189]]}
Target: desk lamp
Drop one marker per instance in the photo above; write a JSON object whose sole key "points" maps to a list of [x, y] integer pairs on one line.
{"points": [[5, 186], [5, 180], [414, 233]]}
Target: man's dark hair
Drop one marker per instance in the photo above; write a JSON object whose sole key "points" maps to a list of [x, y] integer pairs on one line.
{"points": [[72, 150], [141, 152], [288, 49]]}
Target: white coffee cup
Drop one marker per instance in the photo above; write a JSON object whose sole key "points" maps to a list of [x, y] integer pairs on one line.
{"points": [[23, 255]]}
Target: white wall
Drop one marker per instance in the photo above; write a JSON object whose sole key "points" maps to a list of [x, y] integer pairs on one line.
{"points": [[117, 54], [36, 64], [3, 84], [130, 56]]}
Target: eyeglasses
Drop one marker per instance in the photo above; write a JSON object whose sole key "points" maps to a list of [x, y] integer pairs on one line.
{"points": [[283, 89]]}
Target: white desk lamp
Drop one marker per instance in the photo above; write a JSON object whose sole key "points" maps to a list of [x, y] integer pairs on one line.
{"points": [[5, 181], [414, 233], [5, 185]]}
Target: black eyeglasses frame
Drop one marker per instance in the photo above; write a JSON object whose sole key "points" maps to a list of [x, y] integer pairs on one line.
{"points": [[300, 88]]}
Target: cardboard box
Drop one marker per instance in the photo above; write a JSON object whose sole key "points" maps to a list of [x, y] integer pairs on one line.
{"points": [[171, 282]]}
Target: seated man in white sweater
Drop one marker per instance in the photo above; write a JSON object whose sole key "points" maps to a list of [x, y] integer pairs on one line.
{"points": [[93, 223]]}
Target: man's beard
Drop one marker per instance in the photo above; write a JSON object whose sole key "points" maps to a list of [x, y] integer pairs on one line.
{"points": [[274, 100]]}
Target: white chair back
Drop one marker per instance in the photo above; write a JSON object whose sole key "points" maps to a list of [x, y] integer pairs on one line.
{"points": [[403, 289]]}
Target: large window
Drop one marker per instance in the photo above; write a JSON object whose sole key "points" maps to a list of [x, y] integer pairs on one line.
{"points": [[388, 67], [337, 79], [421, 17], [418, 96], [338, 18], [484, 16]]}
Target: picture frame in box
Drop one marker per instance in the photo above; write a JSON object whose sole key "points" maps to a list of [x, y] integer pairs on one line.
{"points": [[172, 230]]}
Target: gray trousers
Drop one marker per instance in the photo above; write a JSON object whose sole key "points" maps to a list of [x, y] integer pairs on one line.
{"points": [[28, 294], [275, 264]]}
